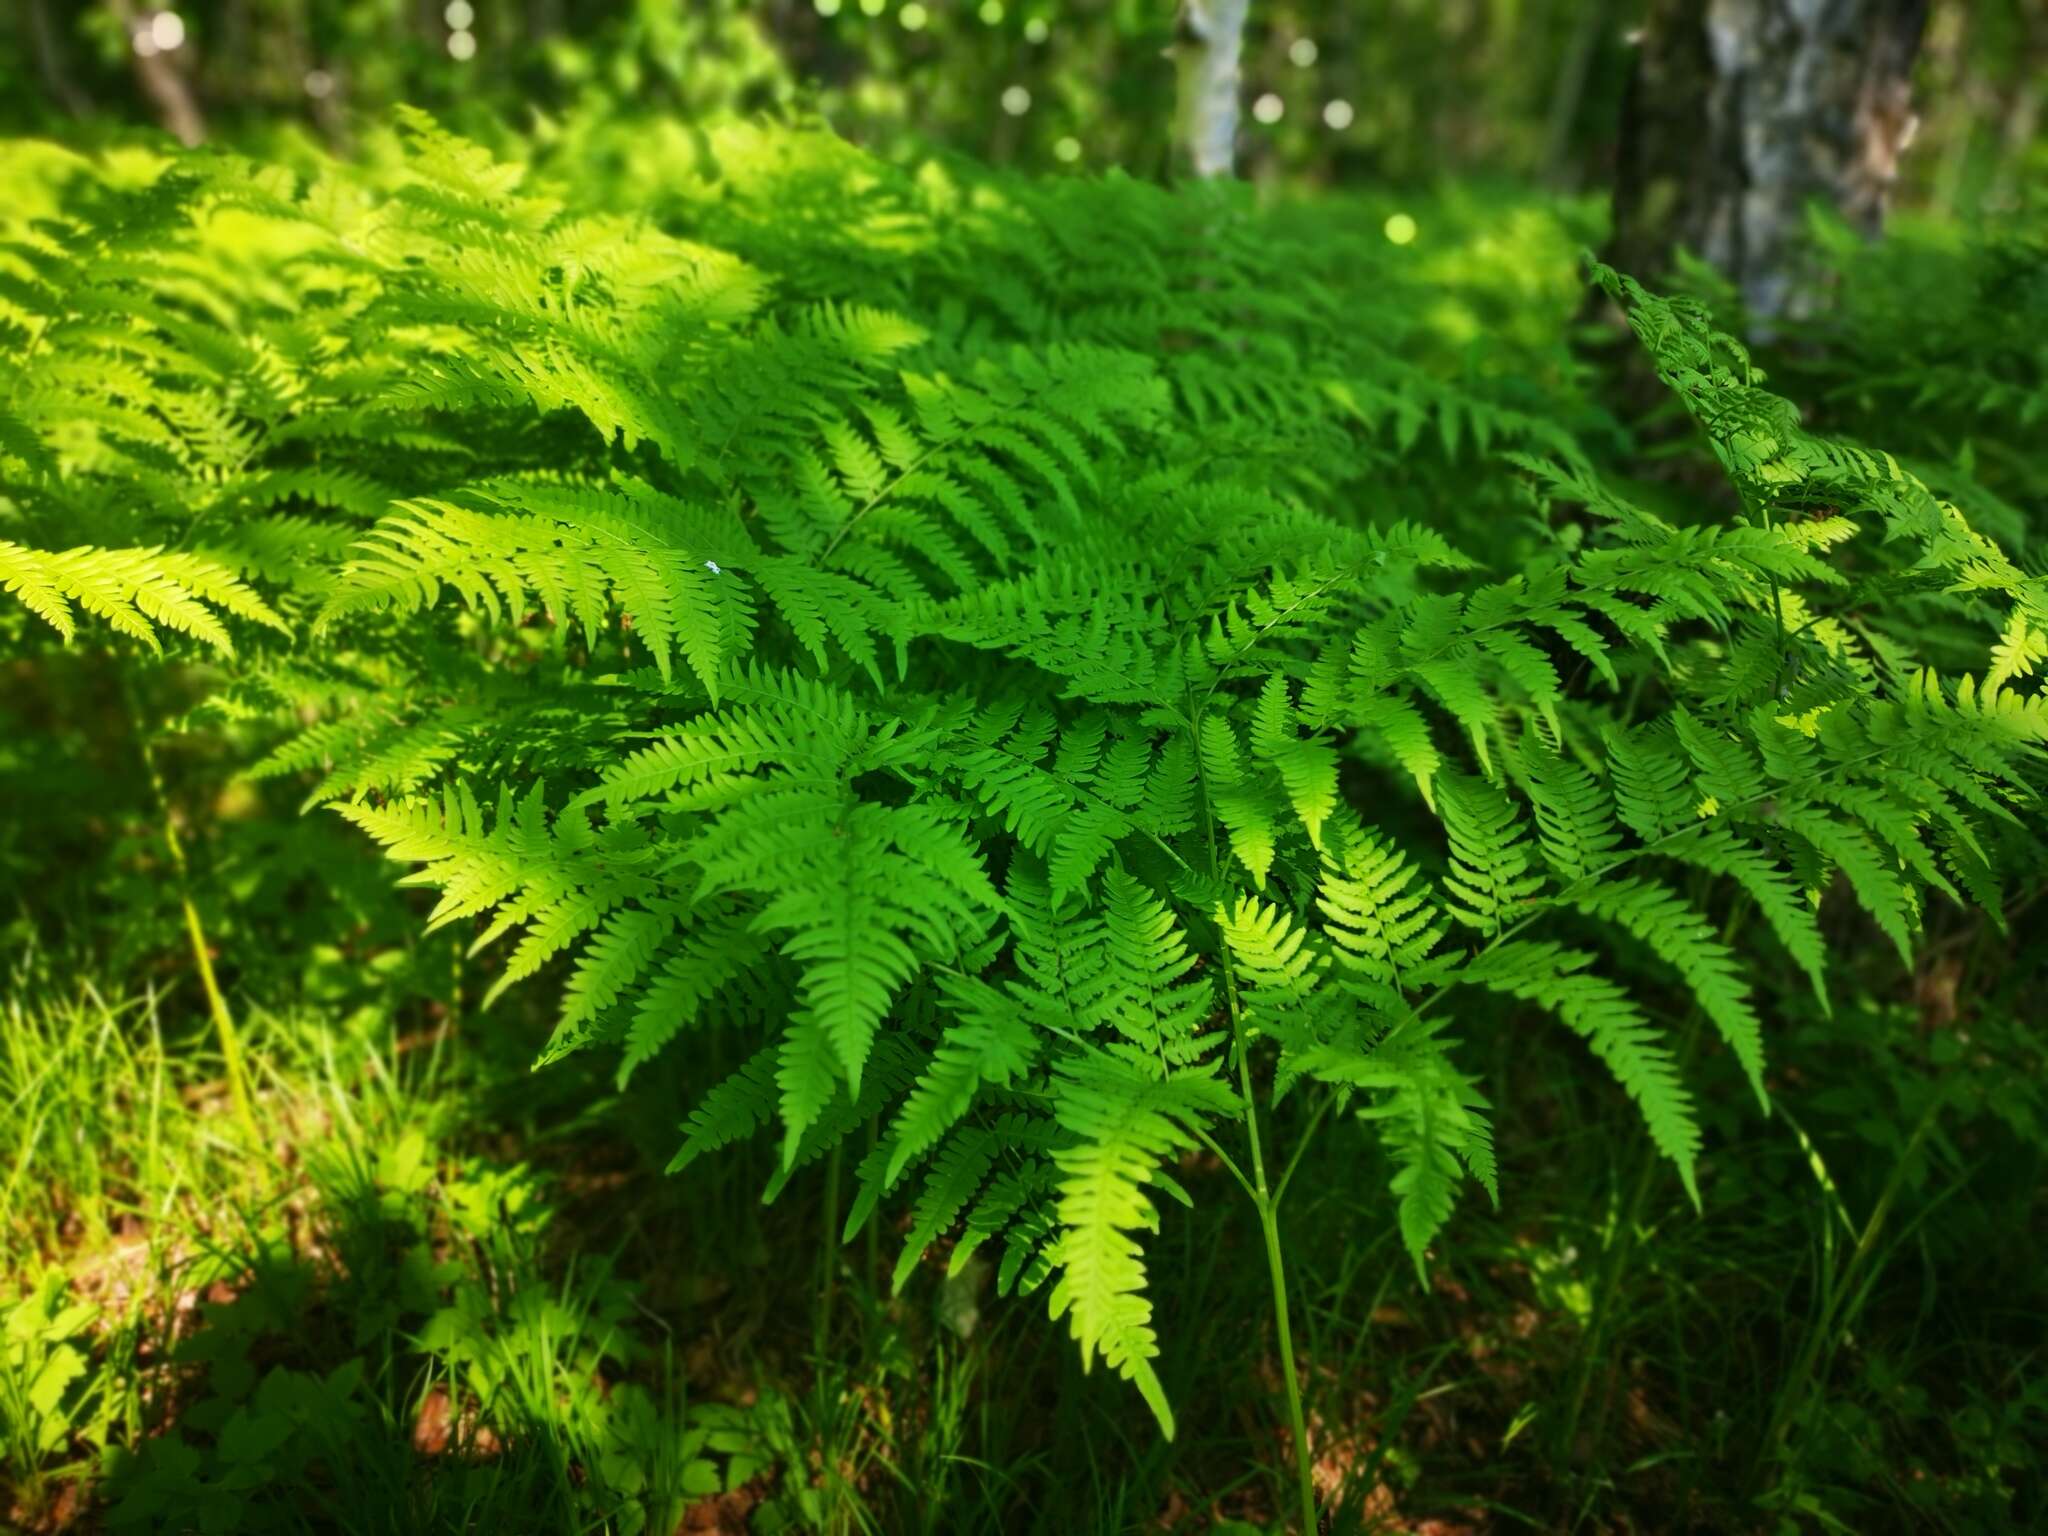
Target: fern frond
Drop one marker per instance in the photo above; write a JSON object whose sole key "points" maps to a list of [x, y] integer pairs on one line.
{"points": [[1679, 936], [1124, 1123], [989, 1041], [1612, 1025], [1490, 879], [134, 592]]}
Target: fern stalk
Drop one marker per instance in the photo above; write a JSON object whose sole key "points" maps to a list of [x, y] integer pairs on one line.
{"points": [[828, 1253], [1261, 1193], [1266, 1201], [872, 1233], [1276, 1270]]}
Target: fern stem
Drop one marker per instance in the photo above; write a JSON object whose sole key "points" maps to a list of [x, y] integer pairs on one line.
{"points": [[1315, 1122], [873, 1228], [1261, 1194], [1227, 1161], [1276, 1269], [839, 534], [195, 930], [828, 1252], [1267, 1205]]}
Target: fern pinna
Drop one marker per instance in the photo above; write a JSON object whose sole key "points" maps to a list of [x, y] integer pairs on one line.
{"points": [[976, 659]]}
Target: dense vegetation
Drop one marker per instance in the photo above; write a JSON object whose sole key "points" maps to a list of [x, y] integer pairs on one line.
{"points": [[1434, 858]]}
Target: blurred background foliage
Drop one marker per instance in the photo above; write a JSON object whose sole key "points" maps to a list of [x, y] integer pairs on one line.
{"points": [[1405, 92]]}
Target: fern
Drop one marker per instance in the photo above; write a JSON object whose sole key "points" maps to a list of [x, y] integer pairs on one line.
{"points": [[1123, 1123], [1612, 1025], [1064, 704], [135, 592], [972, 618]]}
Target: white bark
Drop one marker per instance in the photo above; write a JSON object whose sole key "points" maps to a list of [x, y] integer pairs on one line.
{"points": [[1207, 52], [1816, 98], [1741, 113]]}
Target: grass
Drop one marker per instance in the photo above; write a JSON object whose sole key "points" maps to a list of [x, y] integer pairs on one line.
{"points": [[440, 1293]]}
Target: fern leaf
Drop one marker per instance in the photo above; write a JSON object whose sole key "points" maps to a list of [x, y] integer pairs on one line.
{"points": [[990, 1041], [1680, 937], [1619, 1034], [736, 1109], [1123, 1124], [1490, 879]]}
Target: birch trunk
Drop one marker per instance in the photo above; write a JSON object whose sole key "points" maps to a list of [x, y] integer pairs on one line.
{"points": [[161, 79], [1740, 113], [1206, 54]]}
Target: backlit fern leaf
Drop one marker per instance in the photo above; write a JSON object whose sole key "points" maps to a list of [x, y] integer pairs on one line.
{"points": [[134, 592], [1124, 1122]]}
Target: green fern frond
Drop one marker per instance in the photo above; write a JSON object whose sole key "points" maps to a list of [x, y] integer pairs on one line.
{"points": [[1490, 880], [1612, 1025], [134, 592], [1124, 1122], [1679, 936]]}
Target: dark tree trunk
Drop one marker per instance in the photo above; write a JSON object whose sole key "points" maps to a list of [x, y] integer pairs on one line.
{"points": [[49, 46], [1740, 113]]}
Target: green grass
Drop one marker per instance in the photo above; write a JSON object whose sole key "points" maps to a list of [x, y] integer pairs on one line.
{"points": [[444, 1294]]}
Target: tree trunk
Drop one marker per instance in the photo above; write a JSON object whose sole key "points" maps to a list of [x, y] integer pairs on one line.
{"points": [[1206, 52], [1740, 113], [49, 48], [160, 77]]}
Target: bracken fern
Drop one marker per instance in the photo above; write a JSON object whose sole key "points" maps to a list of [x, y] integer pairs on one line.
{"points": [[975, 638]]}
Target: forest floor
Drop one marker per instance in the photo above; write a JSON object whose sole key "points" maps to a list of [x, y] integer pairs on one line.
{"points": [[444, 1293]]}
